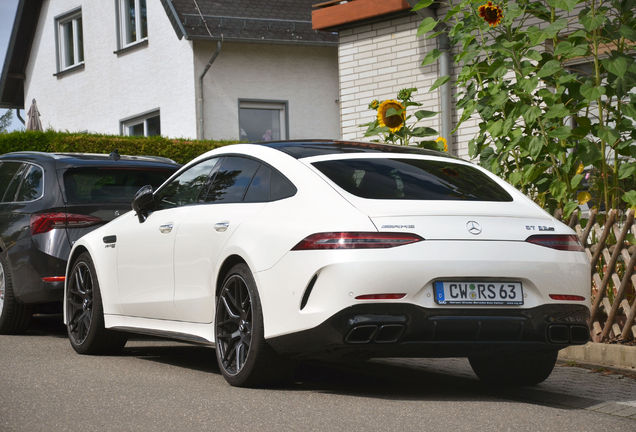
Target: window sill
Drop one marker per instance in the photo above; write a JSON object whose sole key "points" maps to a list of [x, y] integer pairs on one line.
{"points": [[132, 47], [76, 68]]}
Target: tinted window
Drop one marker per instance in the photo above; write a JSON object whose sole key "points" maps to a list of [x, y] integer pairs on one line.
{"points": [[412, 179], [259, 187], [185, 189], [9, 179], [94, 185], [31, 187], [231, 180], [281, 187]]}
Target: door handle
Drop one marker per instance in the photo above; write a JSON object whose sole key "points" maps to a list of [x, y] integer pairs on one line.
{"points": [[221, 226], [166, 228]]}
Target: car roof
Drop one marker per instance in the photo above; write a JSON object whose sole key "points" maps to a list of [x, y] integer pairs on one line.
{"points": [[91, 159], [300, 149]]}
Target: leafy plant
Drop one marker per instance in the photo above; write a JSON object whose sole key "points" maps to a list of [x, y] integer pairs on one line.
{"points": [[391, 123], [553, 99]]}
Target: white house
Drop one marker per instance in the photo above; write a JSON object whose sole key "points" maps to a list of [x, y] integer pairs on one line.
{"points": [[136, 67]]}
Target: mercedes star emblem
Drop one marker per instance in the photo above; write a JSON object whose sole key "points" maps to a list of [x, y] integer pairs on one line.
{"points": [[473, 227]]}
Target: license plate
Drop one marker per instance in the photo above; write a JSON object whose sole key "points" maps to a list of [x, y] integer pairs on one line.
{"points": [[479, 293]]}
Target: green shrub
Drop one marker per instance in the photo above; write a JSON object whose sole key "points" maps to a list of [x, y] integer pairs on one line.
{"points": [[179, 150]]}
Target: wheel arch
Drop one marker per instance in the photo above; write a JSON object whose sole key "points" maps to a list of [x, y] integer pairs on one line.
{"points": [[71, 259], [225, 268]]}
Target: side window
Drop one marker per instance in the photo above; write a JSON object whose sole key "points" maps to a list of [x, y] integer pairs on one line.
{"points": [[10, 173], [259, 188], [185, 189], [281, 187], [268, 185], [31, 187], [231, 180]]}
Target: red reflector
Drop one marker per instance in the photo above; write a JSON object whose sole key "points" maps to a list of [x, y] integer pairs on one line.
{"points": [[45, 222], [54, 279], [380, 297], [356, 240], [558, 242], [567, 297]]}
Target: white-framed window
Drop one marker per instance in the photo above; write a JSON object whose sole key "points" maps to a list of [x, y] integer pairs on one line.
{"points": [[133, 22], [69, 40], [146, 124], [263, 120]]}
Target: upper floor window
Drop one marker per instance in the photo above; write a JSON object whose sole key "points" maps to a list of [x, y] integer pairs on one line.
{"points": [[70, 39], [133, 22]]}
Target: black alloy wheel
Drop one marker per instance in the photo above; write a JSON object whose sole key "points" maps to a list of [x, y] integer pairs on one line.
{"points": [[85, 312], [79, 303], [234, 324], [245, 359]]}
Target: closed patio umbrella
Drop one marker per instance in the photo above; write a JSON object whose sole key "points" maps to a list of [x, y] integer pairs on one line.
{"points": [[34, 122]]}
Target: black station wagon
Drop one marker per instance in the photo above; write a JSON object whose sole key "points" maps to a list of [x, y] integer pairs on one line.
{"points": [[48, 201]]}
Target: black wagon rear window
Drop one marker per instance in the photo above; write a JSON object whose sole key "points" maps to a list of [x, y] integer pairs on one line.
{"points": [[93, 185], [412, 179]]}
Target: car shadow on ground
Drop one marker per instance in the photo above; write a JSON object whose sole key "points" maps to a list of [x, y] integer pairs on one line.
{"points": [[405, 379]]}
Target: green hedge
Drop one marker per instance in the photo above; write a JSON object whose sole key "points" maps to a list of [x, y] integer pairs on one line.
{"points": [[179, 150]]}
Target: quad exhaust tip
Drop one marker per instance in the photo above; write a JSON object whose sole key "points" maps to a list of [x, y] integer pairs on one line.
{"points": [[563, 334], [382, 334]]}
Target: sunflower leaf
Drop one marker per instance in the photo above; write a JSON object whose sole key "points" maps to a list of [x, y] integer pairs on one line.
{"points": [[393, 112], [426, 26], [423, 4], [431, 57], [421, 114], [424, 132], [439, 82]]}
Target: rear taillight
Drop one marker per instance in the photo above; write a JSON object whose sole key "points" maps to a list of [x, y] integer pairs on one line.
{"points": [[45, 222], [356, 240], [559, 242]]}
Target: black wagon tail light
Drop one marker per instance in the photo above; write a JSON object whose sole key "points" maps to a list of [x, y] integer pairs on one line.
{"points": [[356, 240], [45, 222], [559, 242]]}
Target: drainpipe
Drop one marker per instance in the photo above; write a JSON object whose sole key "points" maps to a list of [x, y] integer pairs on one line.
{"points": [[200, 134], [17, 112], [444, 67]]}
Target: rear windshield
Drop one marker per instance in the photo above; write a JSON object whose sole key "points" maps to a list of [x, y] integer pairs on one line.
{"points": [[412, 179], [106, 185]]}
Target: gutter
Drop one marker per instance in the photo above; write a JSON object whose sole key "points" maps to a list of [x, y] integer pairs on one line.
{"points": [[261, 41], [444, 67], [200, 134]]}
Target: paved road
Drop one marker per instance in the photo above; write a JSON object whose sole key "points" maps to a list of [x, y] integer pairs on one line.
{"points": [[168, 386]]}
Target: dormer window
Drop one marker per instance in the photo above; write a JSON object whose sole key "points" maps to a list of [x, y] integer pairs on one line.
{"points": [[70, 40], [133, 22]]}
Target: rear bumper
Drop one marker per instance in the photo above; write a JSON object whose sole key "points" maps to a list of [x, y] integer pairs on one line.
{"points": [[403, 330]]}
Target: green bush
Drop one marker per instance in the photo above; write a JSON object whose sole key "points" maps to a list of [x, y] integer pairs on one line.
{"points": [[179, 150]]}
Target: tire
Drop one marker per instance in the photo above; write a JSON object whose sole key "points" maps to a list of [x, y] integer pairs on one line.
{"points": [[15, 317], [85, 313], [244, 358], [511, 371]]}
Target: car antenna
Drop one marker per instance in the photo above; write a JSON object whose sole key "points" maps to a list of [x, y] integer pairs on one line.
{"points": [[115, 155]]}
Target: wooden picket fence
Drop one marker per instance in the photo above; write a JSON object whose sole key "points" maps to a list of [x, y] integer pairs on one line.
{"points": [[613, 261]]}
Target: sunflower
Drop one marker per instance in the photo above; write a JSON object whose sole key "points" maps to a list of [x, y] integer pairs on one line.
{"points": [[394, 122], [374, 104], [491, 13], [443, 141]]}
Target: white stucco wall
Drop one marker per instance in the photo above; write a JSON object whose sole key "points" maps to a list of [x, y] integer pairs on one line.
{"points": [[112, 87], [304, 76]]}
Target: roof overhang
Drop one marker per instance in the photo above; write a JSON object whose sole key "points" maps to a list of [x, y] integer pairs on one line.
{"points": [[18, 52], [335, 15]]}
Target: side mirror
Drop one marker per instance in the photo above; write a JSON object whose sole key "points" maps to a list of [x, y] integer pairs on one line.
{"points": [[143, 202]]}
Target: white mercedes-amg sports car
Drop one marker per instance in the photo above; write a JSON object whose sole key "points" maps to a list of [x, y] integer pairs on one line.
{"points": [[287, 251]]}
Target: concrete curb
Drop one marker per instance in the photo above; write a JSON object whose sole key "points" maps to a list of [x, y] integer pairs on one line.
{"points": [[619, 356]]}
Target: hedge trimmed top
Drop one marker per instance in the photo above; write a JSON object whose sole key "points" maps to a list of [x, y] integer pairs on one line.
{"points": [[179, 150]]}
